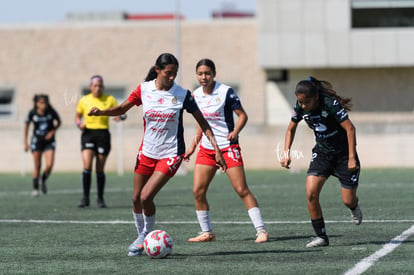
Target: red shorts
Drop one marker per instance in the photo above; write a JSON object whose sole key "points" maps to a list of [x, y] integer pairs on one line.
{"points": [[231, 154], [167, 166]]}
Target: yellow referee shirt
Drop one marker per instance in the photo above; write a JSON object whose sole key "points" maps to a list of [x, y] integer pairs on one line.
{"points": [[103, 102]]}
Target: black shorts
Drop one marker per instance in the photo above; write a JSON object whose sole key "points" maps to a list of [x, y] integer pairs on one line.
{"points": [[39, 144], [336, 165], [97, 140]]}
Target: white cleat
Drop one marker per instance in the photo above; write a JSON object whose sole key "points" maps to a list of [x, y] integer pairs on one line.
{"points": [[318, 241], [356, 215]]}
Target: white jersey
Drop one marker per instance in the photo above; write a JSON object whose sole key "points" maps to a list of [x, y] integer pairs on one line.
{"points": [[217, 109], [162, 115]]}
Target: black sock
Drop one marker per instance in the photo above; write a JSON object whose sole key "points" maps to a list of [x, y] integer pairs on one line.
{"points": [[100, 179], [86, 182], [45, 176], [36, 183], [319, 227]]}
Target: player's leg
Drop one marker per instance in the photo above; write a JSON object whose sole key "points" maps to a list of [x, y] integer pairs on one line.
{"points": [[203, 175], [49, 159], [314, 186], [100, 179], [135, 249], [237, 178], [37, 163], [102, 141], [349, 183], [87, 158], [350, 200]]}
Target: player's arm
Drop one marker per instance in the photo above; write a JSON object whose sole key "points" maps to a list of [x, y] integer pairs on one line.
{"points": [[241, 122], [289, 137], [78, 121], [194, 142], [114, 111], [351, 136], [205, 127], [26, 134], [56, 124]]}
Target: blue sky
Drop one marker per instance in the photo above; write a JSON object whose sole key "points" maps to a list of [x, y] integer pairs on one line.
{"points": [[44, 11]]}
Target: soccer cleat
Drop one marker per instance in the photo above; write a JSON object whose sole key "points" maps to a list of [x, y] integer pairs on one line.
{"points": [[44, 188], [136, 248], [318, 241], [35, 193], [203, 237], [83, 203], [101, 203], [261, 236], [356, 215]]}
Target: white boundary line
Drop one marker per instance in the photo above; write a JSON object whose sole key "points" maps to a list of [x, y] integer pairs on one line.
{"points": [[367, 262], [187, 222]]}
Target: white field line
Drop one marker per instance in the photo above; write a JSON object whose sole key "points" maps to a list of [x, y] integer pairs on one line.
{"points": [[367, 262], [185, 222]]}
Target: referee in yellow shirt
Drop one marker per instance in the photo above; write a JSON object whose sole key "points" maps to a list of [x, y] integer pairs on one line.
{"points": [[96, 139]]}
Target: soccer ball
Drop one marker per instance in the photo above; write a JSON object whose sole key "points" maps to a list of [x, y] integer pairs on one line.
{"points": [[158, 244]]}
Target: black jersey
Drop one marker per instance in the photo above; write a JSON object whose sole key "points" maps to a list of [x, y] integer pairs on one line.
{"points": [[42, 123], [325, 123]]}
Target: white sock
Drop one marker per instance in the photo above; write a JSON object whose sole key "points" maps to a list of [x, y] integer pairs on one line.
{"points": [[139, 221], [149, 223], [203, 217], [256, 218]]}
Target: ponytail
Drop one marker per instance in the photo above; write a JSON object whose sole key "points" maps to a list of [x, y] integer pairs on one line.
{"points": [[152, 74], [312, 86]]}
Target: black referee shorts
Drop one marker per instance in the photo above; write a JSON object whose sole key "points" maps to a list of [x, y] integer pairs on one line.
{"points": [[97, 140], [336, 165]]}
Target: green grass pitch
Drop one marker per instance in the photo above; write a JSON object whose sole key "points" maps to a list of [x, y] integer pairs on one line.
{"points": [[50, 235]]}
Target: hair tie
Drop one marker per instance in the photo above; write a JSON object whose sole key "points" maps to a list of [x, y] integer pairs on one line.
{"points": [[309, 79]]}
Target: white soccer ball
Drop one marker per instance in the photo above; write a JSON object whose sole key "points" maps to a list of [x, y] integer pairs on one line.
{"points": [[158, 244]]}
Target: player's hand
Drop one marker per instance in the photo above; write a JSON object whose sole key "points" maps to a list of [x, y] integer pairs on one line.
{"points": [[26, 147], [188, 153], [49, 135], [285, 162], [352, 164], [232, 136], [220, 162], [94, 112]]}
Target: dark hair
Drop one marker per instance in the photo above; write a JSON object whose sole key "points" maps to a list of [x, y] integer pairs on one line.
{"points": [[162, 61], [312, 87], [206, 62], [38, 97], [97, 77]]}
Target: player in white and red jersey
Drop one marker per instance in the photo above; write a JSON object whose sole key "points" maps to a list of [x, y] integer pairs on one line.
{"points": [[217, 102], [162, 149]]}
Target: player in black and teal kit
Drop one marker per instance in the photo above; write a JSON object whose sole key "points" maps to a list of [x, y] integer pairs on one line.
{"points": [[334, 153], [45, 121]]}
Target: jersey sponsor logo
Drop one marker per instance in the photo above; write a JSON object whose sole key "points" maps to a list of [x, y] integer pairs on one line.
{"points": [[160, 100], [159, 116]]}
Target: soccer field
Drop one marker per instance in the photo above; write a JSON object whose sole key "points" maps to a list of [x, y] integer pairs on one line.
{"points": [[50, 235]]}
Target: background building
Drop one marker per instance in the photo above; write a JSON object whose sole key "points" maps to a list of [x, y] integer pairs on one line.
{"points": [[262, 57]]}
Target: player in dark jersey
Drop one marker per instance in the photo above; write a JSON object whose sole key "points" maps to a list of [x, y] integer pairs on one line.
{"points": [[45, 121], [335, 154]]}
